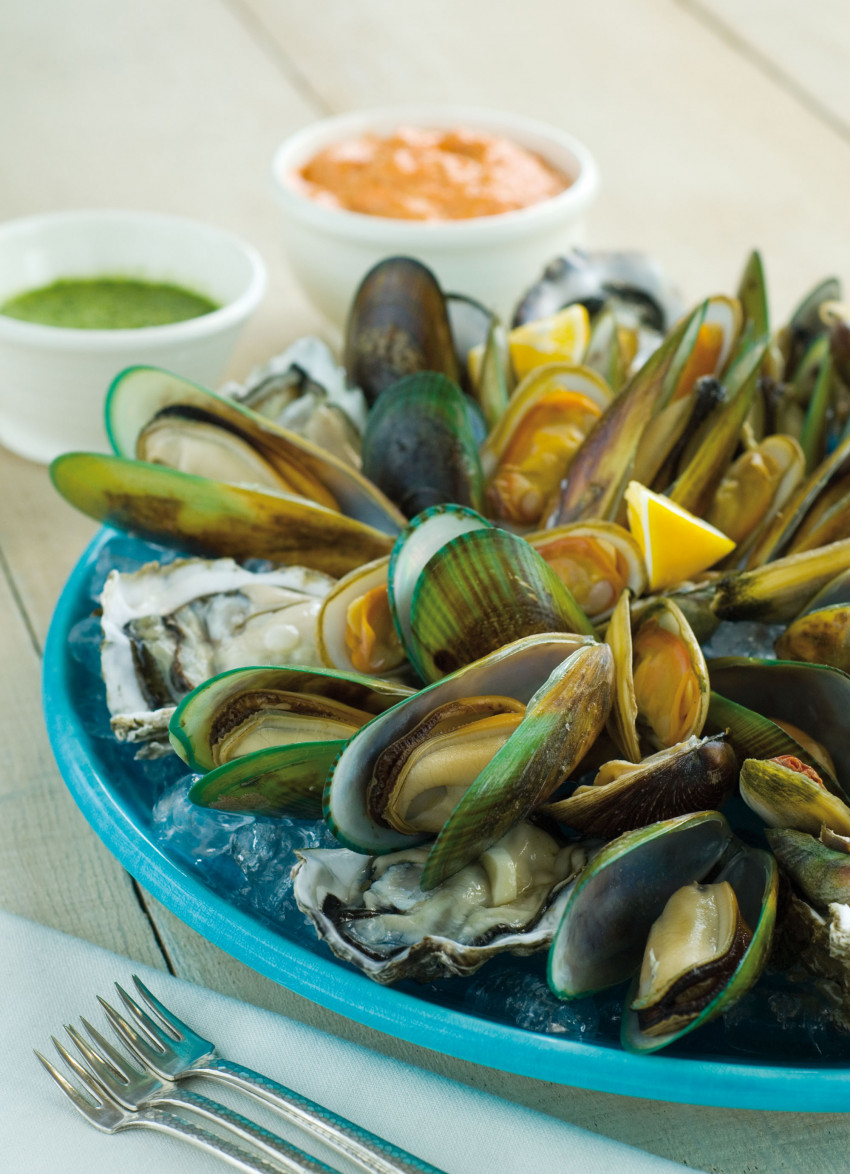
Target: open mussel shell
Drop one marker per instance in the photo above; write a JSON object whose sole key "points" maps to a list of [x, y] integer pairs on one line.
{"points": [[821, 872], [696, 775], [529, 450], [516, 671], [426, 534], [787, 798], [818, 637], [372, 912], [398, 324], [597, 561], [622, 724], [707, 972], [794, 529], [239, 712], [778, 591], [714, 445], [667, 676], [355, 629], [811, 701], [280, 781], [598, 475], [562, 721], [621, 892], [752, 296], [477, 593], [821, 633], [205, 517], [419, 447], [752, 735], [157, 416], [755, 487]]}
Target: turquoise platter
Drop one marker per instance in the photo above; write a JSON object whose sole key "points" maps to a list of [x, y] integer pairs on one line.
{"points": [[104, 782]]}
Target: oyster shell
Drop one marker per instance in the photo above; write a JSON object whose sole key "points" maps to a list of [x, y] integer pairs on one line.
{"points": [[166, 629], [372, 912]]}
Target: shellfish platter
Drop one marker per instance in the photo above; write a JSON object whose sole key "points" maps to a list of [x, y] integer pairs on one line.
{"points": [[490, 687]]}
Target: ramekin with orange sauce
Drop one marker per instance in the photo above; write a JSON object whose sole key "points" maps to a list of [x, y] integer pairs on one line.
{"points": [[377, 183]]}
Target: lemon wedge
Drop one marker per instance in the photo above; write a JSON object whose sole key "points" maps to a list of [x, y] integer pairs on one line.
{"points": [[562, 338], [676, 545]]}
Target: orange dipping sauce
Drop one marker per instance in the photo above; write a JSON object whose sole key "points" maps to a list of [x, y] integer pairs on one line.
{"points": [[420, 174]]}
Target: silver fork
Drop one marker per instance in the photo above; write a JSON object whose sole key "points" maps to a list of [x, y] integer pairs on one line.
{"points": [[108, 1116], [116, 1077], [170, 1049]]}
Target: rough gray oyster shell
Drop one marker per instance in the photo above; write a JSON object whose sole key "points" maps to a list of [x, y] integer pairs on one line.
{"points": [[371, 911]]}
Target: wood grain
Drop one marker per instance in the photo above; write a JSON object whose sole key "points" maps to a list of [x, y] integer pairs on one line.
{"points": [[702, 156], [804, 47]]}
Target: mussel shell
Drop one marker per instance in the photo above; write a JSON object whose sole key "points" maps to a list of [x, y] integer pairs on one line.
{"points": [[332, 620], [621, 892], [776, 592], [693, 776], [752, 735], [813, 698], [688, 696], [752, 295], [516, 670], [419, 448], [398, 324], [754, 878], [818, 637], [139, 394], [785, 798], [779, 538], [201, 717], [821, 873], [480, 591], [590, 397], [562, 721], [206, 517], [283, 781], [413, 549], [598, 475], [569, 550], [622, 725]]}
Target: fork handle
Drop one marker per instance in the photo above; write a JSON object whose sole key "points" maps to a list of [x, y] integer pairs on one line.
{"points": [[285, 1156], [368, 1151], [176, 1126]]}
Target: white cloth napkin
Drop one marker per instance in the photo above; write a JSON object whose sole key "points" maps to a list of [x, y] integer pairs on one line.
{"points": [[48, 979]]}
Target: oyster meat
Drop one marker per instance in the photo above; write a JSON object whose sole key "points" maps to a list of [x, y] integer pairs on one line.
{"points": [[372, 912], [166, 629]]}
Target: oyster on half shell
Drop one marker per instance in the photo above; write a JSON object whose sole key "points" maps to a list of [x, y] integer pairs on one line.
{"points": [[372, 912], [166, 629]]}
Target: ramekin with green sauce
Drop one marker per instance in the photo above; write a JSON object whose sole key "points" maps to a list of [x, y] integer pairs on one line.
{"points": [[83, 295]]}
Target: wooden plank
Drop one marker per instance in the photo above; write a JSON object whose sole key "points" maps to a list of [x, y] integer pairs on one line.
{"points": [[172, 108], [52, 867], [702, 157], [804, 47]]}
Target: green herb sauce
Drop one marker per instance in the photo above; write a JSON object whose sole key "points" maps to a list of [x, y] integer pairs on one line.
{"points": [[107, 303]]}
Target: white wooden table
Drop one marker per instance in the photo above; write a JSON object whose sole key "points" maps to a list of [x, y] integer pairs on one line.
{"points": [[717, 125]]}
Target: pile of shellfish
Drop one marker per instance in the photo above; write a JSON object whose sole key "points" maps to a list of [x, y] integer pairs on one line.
{"points": [[410, 605]]}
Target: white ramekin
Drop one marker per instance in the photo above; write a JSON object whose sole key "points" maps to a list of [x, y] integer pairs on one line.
{"points": [[53, 380], [491, 258]]}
